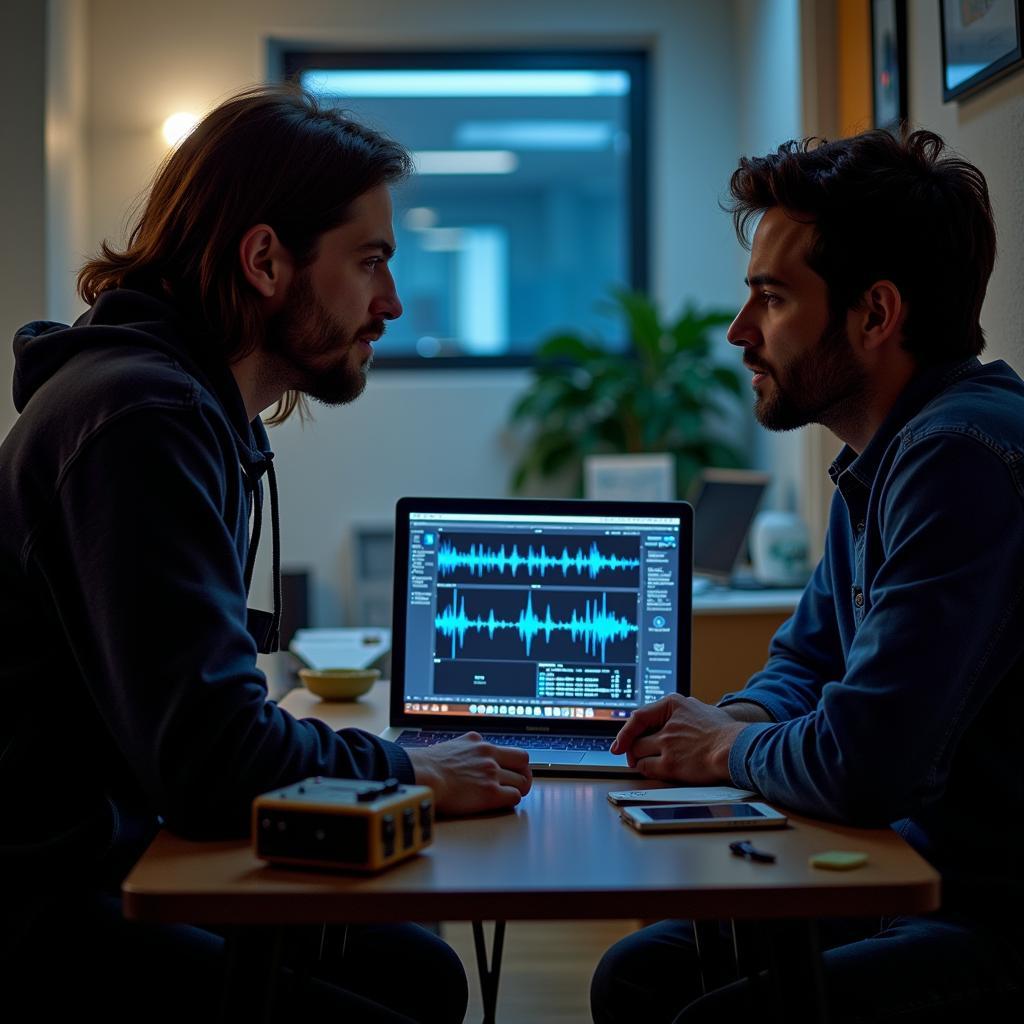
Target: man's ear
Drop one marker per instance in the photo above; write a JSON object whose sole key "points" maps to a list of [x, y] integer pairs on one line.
{"points": [[880, 316], [266, 263]]}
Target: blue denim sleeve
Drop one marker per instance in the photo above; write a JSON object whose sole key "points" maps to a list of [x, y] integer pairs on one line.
{"points": [[941, 627]]}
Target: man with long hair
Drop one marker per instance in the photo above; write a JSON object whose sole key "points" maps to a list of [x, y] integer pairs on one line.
{"points": [[895, 693], [257, 273]]}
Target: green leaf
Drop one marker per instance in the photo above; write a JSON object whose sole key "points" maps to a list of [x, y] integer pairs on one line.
{"points": [[557, 454], [567, 346], [728, 378], [667, 393], [642, 321]]}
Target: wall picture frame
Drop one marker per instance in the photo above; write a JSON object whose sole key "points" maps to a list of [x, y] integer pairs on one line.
{"points": [[889, 62], [635, 477], [981, 42]]}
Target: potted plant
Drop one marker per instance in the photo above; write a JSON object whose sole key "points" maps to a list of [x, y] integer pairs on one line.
{"points": [[665, 394]]}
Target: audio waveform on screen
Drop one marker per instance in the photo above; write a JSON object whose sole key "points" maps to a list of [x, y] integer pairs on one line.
{"points": [[480, 559], [595, 626]]}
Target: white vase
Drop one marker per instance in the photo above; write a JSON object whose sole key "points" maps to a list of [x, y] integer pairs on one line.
{"points": [[780, 549]]}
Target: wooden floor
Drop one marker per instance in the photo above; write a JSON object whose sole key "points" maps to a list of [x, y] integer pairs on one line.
{"points": [[545, 971]]}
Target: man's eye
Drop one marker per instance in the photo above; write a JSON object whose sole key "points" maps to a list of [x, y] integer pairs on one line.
{"points": [[769, 298], [371, 263]]}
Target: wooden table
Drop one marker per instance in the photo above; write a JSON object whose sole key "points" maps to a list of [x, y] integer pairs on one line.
{"points": [[562, 854]]}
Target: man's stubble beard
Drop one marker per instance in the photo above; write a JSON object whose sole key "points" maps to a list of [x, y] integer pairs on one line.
{"points": [[822, 385], [303, 333]]}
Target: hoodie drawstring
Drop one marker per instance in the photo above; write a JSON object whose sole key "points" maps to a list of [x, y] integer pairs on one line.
{"points": [[275, 543], [271, 639]]}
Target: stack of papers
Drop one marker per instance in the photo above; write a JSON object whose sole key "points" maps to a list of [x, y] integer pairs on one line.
{"points": [[340, 648]]}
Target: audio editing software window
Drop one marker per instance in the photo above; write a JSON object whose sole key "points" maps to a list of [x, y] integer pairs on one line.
{"points": [[549, 616]]}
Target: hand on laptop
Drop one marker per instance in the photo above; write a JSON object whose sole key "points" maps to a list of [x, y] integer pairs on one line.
{"points": [[679, 738], [469, 775]]}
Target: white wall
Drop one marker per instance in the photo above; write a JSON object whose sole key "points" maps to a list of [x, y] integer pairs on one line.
{"points": [[426, 432], [42, 180], [22, 178], [988, 130], [67, 241], [770, 109]]}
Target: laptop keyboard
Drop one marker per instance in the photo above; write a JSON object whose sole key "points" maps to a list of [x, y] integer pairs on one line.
{"points": [[533, 741]]}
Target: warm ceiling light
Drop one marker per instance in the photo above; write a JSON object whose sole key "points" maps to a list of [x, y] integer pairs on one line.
{"points": [[177, 126]]}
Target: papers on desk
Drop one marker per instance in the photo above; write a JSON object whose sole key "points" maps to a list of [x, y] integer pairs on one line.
{"points": [[340, 648], [680, 795]]}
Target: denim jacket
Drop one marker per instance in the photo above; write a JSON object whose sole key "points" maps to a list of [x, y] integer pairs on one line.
{"points": [[896, 689]]}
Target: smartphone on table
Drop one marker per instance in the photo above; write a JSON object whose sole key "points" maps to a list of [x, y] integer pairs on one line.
{"points": [[702, 817]]}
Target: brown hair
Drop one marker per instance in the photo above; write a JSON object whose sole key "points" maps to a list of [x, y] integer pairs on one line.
{"points": [[886, 207], [270, 154]]}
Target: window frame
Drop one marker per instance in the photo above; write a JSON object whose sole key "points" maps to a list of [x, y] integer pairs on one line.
{"points": [[289, 59]]}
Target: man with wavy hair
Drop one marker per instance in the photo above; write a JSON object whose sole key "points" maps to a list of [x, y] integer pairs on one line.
{"points": [[256, 274], [895, 693]]}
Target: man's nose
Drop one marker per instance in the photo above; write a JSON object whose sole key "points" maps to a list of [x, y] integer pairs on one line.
{"points": [[391, 308], [741, 331], [387, 304]]}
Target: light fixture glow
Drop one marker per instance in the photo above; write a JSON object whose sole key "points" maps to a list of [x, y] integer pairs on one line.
{"points": [[420, 218], [178, 125], [424, 83], [465, 161]]}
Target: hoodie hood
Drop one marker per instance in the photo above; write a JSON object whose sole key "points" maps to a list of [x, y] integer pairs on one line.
{"points": [[124, 317]]}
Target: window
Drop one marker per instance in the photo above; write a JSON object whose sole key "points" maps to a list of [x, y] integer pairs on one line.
{"points": [[528, 204]]}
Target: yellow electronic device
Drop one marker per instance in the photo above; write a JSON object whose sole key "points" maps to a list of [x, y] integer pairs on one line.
{"points": [[343, 823]]}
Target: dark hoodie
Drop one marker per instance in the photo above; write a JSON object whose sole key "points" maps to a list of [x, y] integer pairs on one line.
{"points": [[128, 683]]}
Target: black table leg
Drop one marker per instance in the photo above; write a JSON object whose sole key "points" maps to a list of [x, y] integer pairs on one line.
{"points": [[716, 967], [781, 964], [795, 971], [489, 975], [252, 970]]}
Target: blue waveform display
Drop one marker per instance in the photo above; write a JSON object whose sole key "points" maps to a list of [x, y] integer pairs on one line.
{"points": [[480, 559], [596, 626]]}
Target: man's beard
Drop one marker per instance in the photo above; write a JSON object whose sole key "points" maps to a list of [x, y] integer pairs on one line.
{"points": [[821, 385], [304, 332]]}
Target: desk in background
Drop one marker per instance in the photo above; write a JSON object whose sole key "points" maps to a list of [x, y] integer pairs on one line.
{"points": [[731, 632]]}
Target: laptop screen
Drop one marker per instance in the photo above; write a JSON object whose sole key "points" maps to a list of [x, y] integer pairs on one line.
{"points": [[519, 611], [724, 506]]}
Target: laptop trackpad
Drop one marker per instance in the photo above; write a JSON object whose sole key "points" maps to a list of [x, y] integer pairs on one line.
{"points": [[556, 756]]}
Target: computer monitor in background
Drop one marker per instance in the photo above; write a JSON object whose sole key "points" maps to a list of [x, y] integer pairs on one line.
{"points": [[724, 503]]}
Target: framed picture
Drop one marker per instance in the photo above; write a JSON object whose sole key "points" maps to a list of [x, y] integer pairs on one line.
{"points": [[630, 477], [889, 61], [981, 41]]}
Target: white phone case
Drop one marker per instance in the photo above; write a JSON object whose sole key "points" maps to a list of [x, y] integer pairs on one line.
{"points": [[637, 817]]}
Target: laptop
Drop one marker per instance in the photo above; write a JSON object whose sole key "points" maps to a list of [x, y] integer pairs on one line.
{"points": [[539, 624], [724, 504]]}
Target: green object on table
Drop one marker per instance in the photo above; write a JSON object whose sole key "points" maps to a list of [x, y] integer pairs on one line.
{"points": [[838, 860]]}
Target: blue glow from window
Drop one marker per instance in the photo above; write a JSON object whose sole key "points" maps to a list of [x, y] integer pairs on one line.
{"points": [[466, 83], [551, 135]]}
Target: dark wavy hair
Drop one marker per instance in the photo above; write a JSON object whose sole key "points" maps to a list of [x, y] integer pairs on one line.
{"points": [[271, 154], [885, 206]]}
